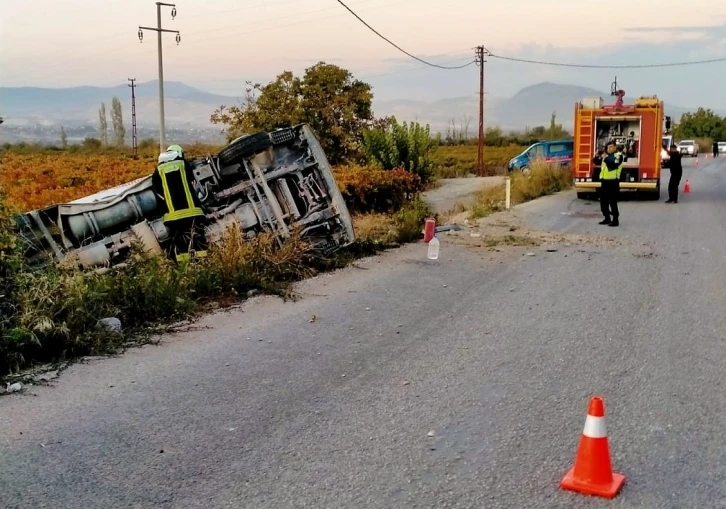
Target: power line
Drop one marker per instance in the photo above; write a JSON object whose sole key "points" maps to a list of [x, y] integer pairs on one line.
{"points": [[596, 66], [397, 46]]}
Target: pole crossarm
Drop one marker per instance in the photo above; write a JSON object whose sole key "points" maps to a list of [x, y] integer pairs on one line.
{"points": [[159, 29]]}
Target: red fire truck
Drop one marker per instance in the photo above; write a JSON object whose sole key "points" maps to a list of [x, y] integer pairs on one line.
{"points": [[637, 129]]}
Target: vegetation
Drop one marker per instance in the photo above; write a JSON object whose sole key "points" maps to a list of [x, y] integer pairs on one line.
{"points": [[407, 146], [103, 124], [704, 126], [543, 179], [117, 122], [461, 160], [337, 106]]}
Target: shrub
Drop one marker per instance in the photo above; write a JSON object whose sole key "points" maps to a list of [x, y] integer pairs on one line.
{"points": [[374, 190], [408, 146], [410, 219]]}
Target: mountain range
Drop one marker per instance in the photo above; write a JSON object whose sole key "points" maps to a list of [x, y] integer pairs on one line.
{"points": [[35, 111]]}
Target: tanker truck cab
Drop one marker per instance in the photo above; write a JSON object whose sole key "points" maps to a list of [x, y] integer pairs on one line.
{"points": [[559, 151], [636, 128]]}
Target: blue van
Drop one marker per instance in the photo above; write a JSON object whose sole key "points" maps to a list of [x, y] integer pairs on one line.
{"points": [[549, 151]]}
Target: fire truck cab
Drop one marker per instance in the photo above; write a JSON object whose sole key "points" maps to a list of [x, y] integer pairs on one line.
{"points": [[638, 131]]}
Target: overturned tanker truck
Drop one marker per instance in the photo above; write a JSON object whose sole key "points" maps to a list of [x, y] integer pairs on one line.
{"points": [[270, 182]]}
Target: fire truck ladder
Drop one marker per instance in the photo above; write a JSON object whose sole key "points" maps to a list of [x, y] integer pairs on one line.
{"points": [[586, 130]]}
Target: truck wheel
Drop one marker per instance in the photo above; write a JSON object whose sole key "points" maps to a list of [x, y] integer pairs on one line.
{"points": [[244, 147]]}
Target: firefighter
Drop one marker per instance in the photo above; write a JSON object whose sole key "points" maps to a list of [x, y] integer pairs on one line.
{"points": [[610, 169], [715, 148], [184, 217]]}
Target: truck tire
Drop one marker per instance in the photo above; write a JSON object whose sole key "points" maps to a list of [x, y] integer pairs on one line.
{"points": [[244, 147]]}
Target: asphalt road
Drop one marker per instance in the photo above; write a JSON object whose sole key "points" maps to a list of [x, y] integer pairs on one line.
{"points": [[496, 353]]}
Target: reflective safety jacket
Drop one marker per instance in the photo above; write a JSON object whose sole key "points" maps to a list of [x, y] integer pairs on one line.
{"points": [[611, 166], [180, 202]]}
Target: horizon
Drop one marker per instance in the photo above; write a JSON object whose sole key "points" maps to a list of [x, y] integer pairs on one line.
{"points": [[100, 55]]}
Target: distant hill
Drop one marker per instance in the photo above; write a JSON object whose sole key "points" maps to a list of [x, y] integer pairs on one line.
{"points": [[32, 113], [530, 107], [183, 105]]}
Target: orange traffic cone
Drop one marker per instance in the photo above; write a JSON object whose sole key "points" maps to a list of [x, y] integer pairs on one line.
{"points": [[696, 161], [593, 473], [687, 187]]}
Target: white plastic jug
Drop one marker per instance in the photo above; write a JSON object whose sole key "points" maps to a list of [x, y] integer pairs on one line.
{"points": [[434, 248]]}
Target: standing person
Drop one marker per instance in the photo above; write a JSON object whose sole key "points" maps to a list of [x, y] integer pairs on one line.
{"points": [[612, 166], [676, 175], [715, 148], [184, 217]]}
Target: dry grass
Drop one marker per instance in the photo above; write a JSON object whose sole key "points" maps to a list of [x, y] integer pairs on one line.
{"points": [[542, 180]]}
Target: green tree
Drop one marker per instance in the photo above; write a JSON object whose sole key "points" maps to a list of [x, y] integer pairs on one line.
{"points": [[704, 123], [117, 122], [335, 104], [556, 131], [103, 124], [63, 138], [407, 145]]}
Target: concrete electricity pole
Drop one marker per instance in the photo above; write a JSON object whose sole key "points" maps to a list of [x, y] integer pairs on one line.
{"points": [[480, 53], [159, 30]]}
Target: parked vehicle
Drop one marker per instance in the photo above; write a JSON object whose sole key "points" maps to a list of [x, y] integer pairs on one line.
{"points": [[665, 157], [636, 128], [548, 151], [688, 147], [271, 182], [722, 147]]}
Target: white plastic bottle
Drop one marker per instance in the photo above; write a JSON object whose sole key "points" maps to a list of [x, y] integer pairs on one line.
{"points": [[434, 248]]}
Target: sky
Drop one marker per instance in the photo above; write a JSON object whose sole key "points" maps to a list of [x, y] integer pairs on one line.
{"points": [[62, 43]]}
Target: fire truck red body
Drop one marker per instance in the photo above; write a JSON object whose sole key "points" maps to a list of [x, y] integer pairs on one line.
{"points": [[637, 129]]}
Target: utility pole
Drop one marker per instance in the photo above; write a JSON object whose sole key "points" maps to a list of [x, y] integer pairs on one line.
{"points": [[134, 141], [159, 31], [480, 53]]}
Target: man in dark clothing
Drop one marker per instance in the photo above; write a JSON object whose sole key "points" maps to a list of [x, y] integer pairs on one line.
{"points": [[612, 166], [676, 167], [715, 149]]}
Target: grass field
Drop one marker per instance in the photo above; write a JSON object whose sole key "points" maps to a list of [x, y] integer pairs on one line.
{"points": [[460, 160], [37, 179]]}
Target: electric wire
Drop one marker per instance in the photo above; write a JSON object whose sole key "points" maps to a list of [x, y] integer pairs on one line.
{"points": [[397, 46], [599, 66]]}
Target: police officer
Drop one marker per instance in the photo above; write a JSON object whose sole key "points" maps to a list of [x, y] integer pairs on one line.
{"points": [[610, 169], [676, 167], [184, 217]]}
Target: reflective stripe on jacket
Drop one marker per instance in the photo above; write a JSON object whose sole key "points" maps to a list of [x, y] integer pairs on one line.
{"points": [[614, 174], [177, 195]]}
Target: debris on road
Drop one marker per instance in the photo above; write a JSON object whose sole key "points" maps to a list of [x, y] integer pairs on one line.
{"points": [[16, 387], [431, 434], [111, 323]]}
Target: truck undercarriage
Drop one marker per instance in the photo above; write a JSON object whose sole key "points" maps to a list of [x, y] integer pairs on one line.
{"points": [[269, 182]]}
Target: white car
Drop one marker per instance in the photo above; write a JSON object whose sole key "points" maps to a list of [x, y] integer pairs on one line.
{"points": [[722, 147], [688, 147]]}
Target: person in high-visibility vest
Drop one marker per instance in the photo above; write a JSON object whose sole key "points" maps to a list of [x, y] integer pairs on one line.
{"points": [[610, 169], [184, 216]]}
